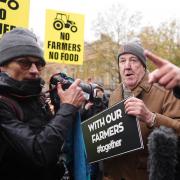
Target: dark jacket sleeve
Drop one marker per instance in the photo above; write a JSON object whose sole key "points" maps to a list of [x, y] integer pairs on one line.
{"points": [[176, 92], [44, 147]]}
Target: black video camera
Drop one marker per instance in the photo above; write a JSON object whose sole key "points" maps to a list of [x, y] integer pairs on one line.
{"points": [[66, 81]]}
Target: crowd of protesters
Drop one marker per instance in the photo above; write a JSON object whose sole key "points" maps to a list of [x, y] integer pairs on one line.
{"points": [[32, 137]]}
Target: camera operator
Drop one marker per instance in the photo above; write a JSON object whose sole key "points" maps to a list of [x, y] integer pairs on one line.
{"points": [[99, 103], [31, 137]]}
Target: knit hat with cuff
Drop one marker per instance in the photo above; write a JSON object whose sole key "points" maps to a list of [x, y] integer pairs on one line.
{"points": [[19, 42]]}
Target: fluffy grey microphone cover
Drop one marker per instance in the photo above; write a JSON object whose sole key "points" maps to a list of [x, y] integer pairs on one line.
{"points": [[162, 146]]}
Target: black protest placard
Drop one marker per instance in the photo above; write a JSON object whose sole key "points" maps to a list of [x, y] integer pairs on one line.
{"points": [[111, 133]]}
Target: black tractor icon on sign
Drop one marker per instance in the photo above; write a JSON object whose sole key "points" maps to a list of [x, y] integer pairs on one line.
{"points": [[62, 21]]}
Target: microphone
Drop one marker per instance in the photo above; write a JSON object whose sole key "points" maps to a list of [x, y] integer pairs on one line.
{"points": [[162, 147]]}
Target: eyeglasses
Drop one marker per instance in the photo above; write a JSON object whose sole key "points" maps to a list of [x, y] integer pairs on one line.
{"points": [[26, 64]]}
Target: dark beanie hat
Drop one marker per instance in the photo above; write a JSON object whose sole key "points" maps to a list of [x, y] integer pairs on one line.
{"points": [[17, 43], [134, 48]]}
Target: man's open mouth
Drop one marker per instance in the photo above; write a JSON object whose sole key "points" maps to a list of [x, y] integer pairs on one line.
{"points": [[129, 74]]}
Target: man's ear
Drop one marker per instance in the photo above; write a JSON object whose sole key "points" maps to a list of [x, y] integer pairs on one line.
{"points": [[3, 69]]}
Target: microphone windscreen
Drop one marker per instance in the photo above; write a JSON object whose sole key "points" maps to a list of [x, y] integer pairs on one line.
{"points": [[162, 147]]}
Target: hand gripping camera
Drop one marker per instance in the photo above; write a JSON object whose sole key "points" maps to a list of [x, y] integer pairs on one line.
{"points": [[66, 81]]}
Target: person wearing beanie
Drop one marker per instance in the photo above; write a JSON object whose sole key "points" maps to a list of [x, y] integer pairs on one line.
{"points": [[31, 137], [150, 103]]}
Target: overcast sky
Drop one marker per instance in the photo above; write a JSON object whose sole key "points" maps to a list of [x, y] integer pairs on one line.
{"points": [[154, 12]]}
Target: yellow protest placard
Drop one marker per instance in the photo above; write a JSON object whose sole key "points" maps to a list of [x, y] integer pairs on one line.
{"points": [[64, 37], [13, 13]]}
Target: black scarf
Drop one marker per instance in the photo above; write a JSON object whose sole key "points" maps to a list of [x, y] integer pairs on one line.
{"points": [[20, 88]]}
